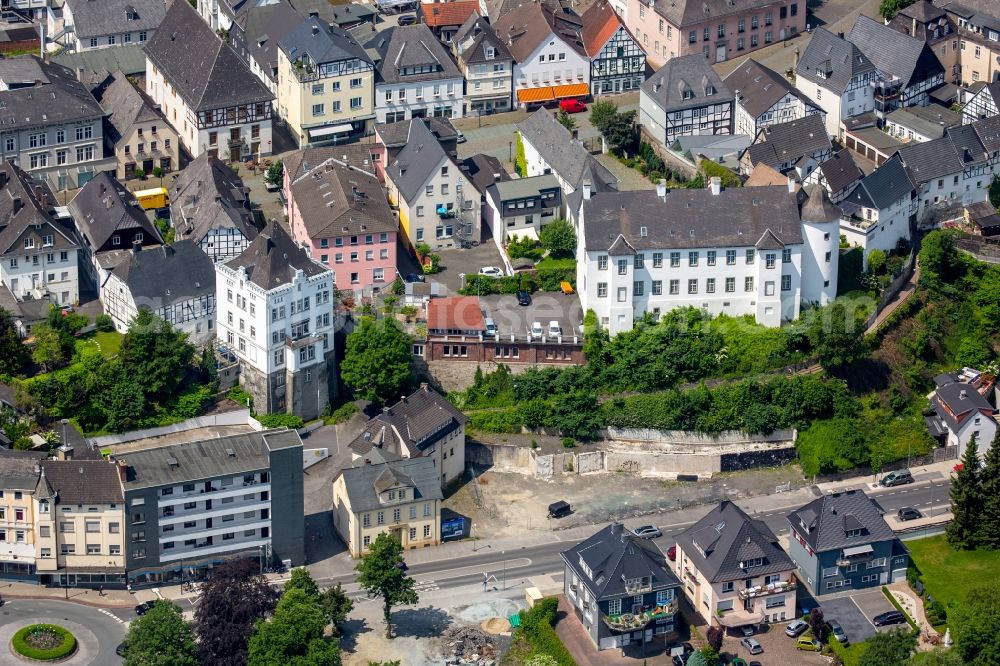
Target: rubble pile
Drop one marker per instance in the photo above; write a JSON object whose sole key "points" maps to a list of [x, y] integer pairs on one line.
{"points": [[469, 645]]}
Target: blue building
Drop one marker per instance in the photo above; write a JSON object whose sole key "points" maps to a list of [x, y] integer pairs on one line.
{"points": [[621, 588], [842, 541]]}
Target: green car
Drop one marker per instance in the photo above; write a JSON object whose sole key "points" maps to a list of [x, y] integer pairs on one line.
{"points": [[738, 661]]}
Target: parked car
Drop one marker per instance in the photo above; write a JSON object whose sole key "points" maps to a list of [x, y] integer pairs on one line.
{"points": [[796, 628], [887, 618], [144, 607], [838, 632], [679, 653], [414, 277], [752, 645], [560, 509], [536, 330], [523, 298], [738, 661], [747, 630], [407, 19], [555, 330], [897, 478], [909, 513], [648, 532], [120, 650], [572, 106], [755, 663], [672, 553], [491, 271], [808, 643], [460, 138]]}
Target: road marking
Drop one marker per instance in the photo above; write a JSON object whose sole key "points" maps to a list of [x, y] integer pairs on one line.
{"points": [[112, 615]]}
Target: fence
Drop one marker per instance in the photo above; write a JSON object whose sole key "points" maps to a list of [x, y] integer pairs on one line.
{"points": [[235, 417], [894, 288], [983, 249]]}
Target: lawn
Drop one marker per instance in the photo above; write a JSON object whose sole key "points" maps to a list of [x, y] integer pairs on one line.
{"points": [[948, 574], [849, 655], [108, 342]]}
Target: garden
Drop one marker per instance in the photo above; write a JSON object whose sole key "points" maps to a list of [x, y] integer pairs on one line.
{"points": [[43, 642]]}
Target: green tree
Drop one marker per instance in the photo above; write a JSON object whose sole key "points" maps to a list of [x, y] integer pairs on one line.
{"points": [[975, 624], [601, 113], [966, 501], [940, 264], [165, 228], [293, 636], [234, 599], [376, 364], [889, 8], [559, 239], [876, 262], [520, 159], [889, 648], [48, 350], [595, 342], [275, 174], [154, 351], [158, 173], [698, 657], [12, 424], [989, 520], [939, 657], [834, 334], [619, 132], [332, 602], [13, 354], [566, 120], [381, 574], [817, 624], [160, 637], [124, 405]]}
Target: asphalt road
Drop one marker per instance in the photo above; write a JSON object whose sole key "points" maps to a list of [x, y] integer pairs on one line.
{"points": [[98, 648], [516, 566]]}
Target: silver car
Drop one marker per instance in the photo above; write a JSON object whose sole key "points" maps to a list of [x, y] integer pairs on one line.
{"points": [[796, 628], [752, 645], [648, 532]]}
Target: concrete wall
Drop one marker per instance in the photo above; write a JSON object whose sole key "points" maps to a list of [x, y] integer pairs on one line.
{"points": [[235, 417]]}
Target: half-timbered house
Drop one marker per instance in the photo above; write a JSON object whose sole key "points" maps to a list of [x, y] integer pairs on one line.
{"points": [[617, 62], [982, 104], [764, 97], [685, 97]]}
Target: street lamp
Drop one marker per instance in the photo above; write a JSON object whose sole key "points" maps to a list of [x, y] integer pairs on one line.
{"points": [[503, 554], [260, 549]]}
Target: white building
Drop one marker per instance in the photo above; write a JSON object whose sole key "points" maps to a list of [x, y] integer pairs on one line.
{"points": [[837, 76], [550, 61], [205, 90], [762, 251], [39, 253], [84, 25], [961, 412], [765, 97], [416, 76], [175, 282], [685, 97], [275, 311], [877, 212]]}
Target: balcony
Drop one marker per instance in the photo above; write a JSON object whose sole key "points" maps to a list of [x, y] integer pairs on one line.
{"points": [[691, 575], [766, 590], [632, 621], [639, 586]]}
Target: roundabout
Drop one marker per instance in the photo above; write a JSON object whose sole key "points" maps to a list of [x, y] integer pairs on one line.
{"points": [[95, 635], [43, 642]]}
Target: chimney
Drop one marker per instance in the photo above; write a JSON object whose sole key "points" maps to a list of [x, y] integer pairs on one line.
{"points": [[587, 186], [315, 29], [425, 387], [913, 23], [38, 193], [962, 394], [3, 178], [64, 452], [18, 204], [840, 34], [575, 134], [791, 185], [661, 189], [616, 527], [795, 59], [716, 185]]}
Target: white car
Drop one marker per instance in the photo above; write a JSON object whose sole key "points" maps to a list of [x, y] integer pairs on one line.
{"points": [[459, 137], [536, 330], [491, 271], [554, 329]]}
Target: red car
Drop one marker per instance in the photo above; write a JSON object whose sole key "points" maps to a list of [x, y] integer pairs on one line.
{"points": [[572, 105]]}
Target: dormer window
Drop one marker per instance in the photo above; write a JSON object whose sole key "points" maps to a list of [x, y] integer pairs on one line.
{"points": [[130, 15], [491, 53], [853, 533], [709, 91], [749, 564], [688, 94]]}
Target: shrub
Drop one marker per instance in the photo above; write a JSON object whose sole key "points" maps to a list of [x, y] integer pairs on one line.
{"points": [[568, 443], [500, 421], [104, 323], [21, 646], [714, 169], [192, 402], [342, 413], [537, 629], [241, 397], [280, 420], [936, 613]]}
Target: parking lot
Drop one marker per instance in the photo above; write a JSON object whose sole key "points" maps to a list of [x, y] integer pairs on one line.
{"points": [[854, 612], [455, 262], [778, 648], [515, 320]]}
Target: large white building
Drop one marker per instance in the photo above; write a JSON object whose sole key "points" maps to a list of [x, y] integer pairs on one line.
{"points": [[206, 91], [84, 25], [275, 311], [762, 251], [877, 212]]}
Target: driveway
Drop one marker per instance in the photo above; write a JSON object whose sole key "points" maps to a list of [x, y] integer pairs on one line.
{"points": [[469, 261], [855, 622], [778, 648], [872, 602]]}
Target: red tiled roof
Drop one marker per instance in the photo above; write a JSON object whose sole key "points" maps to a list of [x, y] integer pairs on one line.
{"points": [[437, 14], [458, 313], [600, 22]]}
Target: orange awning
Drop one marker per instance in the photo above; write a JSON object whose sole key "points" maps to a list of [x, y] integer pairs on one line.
{"points": [[571, 90], [531, 95]]}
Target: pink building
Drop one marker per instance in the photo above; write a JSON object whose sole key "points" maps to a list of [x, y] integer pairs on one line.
{"points": [[338, 211], [719, 29]]}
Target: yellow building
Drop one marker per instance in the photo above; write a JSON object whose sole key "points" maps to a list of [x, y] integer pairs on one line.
{"points": [[326, 84], [401, 497], [80, 512]]}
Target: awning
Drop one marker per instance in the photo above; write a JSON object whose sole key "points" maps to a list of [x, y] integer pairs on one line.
{"points": [[858, 550], [531, 95], [327, 131], [528, 232], [741, 618], [571, 90]]}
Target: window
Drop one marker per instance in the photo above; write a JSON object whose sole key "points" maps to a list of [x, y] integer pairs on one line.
{"points": [[317, 109], [380, 518], [730, 285], [639, 261], [675, 287], [355, 103], [85, 132], [692, 258], [786, 283], [693, 286], [769, 288], [318, 88], [602, 289], [727, 586], [827, 257], [711, 257], [692, 36], [84, 153], [748, 283], [622, 266], [750, 256], [730, 257], [602, 262], [615, 607], [638, 287], [622, 294], [710, 285]]}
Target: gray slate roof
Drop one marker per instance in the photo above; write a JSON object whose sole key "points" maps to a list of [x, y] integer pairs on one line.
{"points": [[92, 18], [83, 481], [103, 206], [988, 131], [206, 72], [336, 199], [954, 402], [397, 134], [364, 483], [931, 160], [272, 259], [930, 121], [321, 43], [726, 536], [686, 218], [483, 171], [33, 217], [760, 87], [129, 59], [149, 468], [17, 469], [614, 555], [264, 25], [167, 275], [686, 12], [894, 53], [691, 75], [42, 94], [789, 141], [472, 39], [840, 171], [837, 56], [828, 518], [563, 154], [417, 162], [208, 195], [126, 107], [526, 26], [412, 45], [410, 426]]}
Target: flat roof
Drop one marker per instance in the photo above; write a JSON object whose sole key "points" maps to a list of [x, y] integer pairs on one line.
{"points": [[513, 319], [179, 437], [518, 188], [877, 139]]}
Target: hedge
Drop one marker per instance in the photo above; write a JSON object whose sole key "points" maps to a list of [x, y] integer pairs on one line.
{"points": [[537, 629], [280, 420], [20, 646]]}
